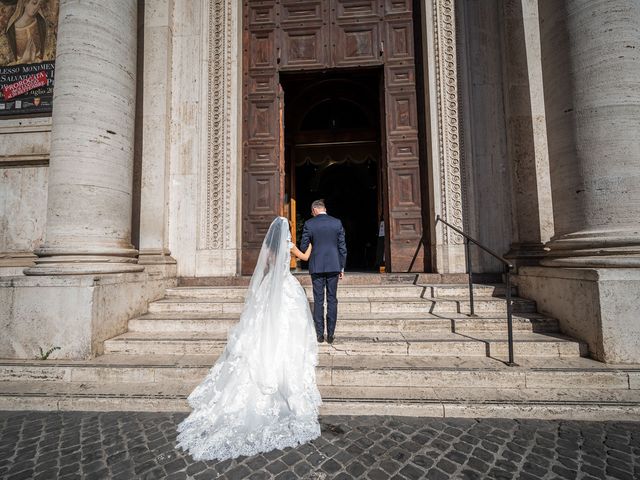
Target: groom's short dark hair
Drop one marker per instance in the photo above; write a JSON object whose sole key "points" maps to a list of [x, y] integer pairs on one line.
{"points": [[318, 204]]}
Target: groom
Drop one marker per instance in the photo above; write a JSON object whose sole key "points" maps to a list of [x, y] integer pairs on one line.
{"points": [[326, 264]]}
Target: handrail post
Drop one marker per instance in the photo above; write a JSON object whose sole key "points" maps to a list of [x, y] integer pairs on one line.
{"points": [[472, 312], [507, 269], [508, 266]]}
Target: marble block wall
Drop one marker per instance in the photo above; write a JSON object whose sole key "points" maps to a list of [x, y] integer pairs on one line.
{"points": [[487, 196], [203, 123], [24, 158]]}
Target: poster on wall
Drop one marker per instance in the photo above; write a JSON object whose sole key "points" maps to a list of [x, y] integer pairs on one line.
{"points": [[28, 32]]}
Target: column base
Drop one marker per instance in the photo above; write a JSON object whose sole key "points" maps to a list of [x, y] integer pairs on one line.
{"points": [[152, 256], [596, 249], [593, 261], [526, 254], [13, 263], [81, 266], [596, 305], [85, 261], [158, 262]]}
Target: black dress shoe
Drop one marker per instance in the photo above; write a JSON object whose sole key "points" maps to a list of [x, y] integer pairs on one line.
{"points": [[320, 338], [329, 339]]}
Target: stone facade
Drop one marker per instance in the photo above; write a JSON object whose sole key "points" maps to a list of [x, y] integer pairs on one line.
{"points": [[531, 118]]}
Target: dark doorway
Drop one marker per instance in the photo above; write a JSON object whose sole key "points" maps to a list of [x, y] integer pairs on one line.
{"points": [[332, 140]]}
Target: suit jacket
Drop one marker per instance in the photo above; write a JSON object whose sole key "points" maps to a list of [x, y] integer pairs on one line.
{"points": [[326, 234]]}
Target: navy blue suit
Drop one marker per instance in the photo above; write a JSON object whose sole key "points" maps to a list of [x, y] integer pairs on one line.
{"points": [[328, 258]]}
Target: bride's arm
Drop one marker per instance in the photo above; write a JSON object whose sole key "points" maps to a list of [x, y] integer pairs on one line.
{"points": [[302, 256]]}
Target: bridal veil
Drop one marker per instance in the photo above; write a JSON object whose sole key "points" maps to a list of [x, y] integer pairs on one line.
{"points": [[261, 394]]}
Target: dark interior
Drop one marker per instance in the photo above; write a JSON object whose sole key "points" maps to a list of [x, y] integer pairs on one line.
{"points": [[333, 151]]}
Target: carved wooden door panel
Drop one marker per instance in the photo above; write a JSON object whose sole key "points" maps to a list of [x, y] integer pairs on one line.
{"points": [[356, 33], [404, 228], [261, 128], [304, 34]]}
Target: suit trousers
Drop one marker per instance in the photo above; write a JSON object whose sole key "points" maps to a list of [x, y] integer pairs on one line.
{"points": [[322, 282]]}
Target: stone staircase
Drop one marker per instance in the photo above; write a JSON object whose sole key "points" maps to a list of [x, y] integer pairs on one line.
{"points": [[404, 346]]}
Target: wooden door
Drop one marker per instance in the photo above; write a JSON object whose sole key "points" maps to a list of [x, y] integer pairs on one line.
{"points": [[299, 35], [261, 127], [401, 137]]}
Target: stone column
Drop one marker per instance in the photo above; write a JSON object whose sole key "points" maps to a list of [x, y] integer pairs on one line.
{"points": [[91, 165], [591, 65], [591, 70]]}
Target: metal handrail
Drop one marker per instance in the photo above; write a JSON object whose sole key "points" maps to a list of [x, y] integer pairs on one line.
{"points": [[508, 266]]}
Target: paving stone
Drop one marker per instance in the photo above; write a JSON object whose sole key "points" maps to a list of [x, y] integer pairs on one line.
{"points": [[482, 454], [507, 466], [285, 476], [423, 461], [356, 469], [142, 445], [316, 458], [302, 469], [411, 472], [477, 465], [175, 476], [619, 474], [23, 475], [238, 473], [377, 474], [260, 476], [469, 475], [447, 466], [276, 467], [435, 474], [528, 476], [564, 472], [500, 474], [390, 466], [342, 476], [593, 471], [457, 457], [331, 466], [292, 458], [534, 469]]}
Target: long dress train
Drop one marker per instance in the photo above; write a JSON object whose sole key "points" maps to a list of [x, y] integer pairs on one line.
{"points": [[261, 394]]}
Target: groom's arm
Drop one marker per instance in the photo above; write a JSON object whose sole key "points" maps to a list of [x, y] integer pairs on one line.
{"points": [[342, 247], [306, 238]]}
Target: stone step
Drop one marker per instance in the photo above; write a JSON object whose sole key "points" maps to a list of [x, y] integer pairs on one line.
{"points": [[393, 371], [354, 305], [349, 291], [382, 343], [353, 278], [179, 322], [587, 404]]}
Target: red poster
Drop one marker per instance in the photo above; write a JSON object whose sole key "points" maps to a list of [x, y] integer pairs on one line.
{"points": [[25, 85]]}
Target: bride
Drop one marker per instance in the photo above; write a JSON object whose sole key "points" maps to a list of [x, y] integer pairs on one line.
{"points": [[261, 394]]}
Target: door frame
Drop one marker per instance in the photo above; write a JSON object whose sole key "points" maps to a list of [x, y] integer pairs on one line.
{"points": [[275, 40]]}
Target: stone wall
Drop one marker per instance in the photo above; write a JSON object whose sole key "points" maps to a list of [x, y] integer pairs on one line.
{"points": [[24, 158], [486, 163], [202, 149]]}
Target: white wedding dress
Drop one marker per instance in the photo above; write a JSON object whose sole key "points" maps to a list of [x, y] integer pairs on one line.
{"points": [[261, 394]]}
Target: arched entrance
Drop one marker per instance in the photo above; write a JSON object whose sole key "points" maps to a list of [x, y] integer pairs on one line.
{"points": [[333, 151]]}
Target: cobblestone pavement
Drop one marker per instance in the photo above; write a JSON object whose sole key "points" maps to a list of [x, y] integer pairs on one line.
{"points": [[89, 445]]}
